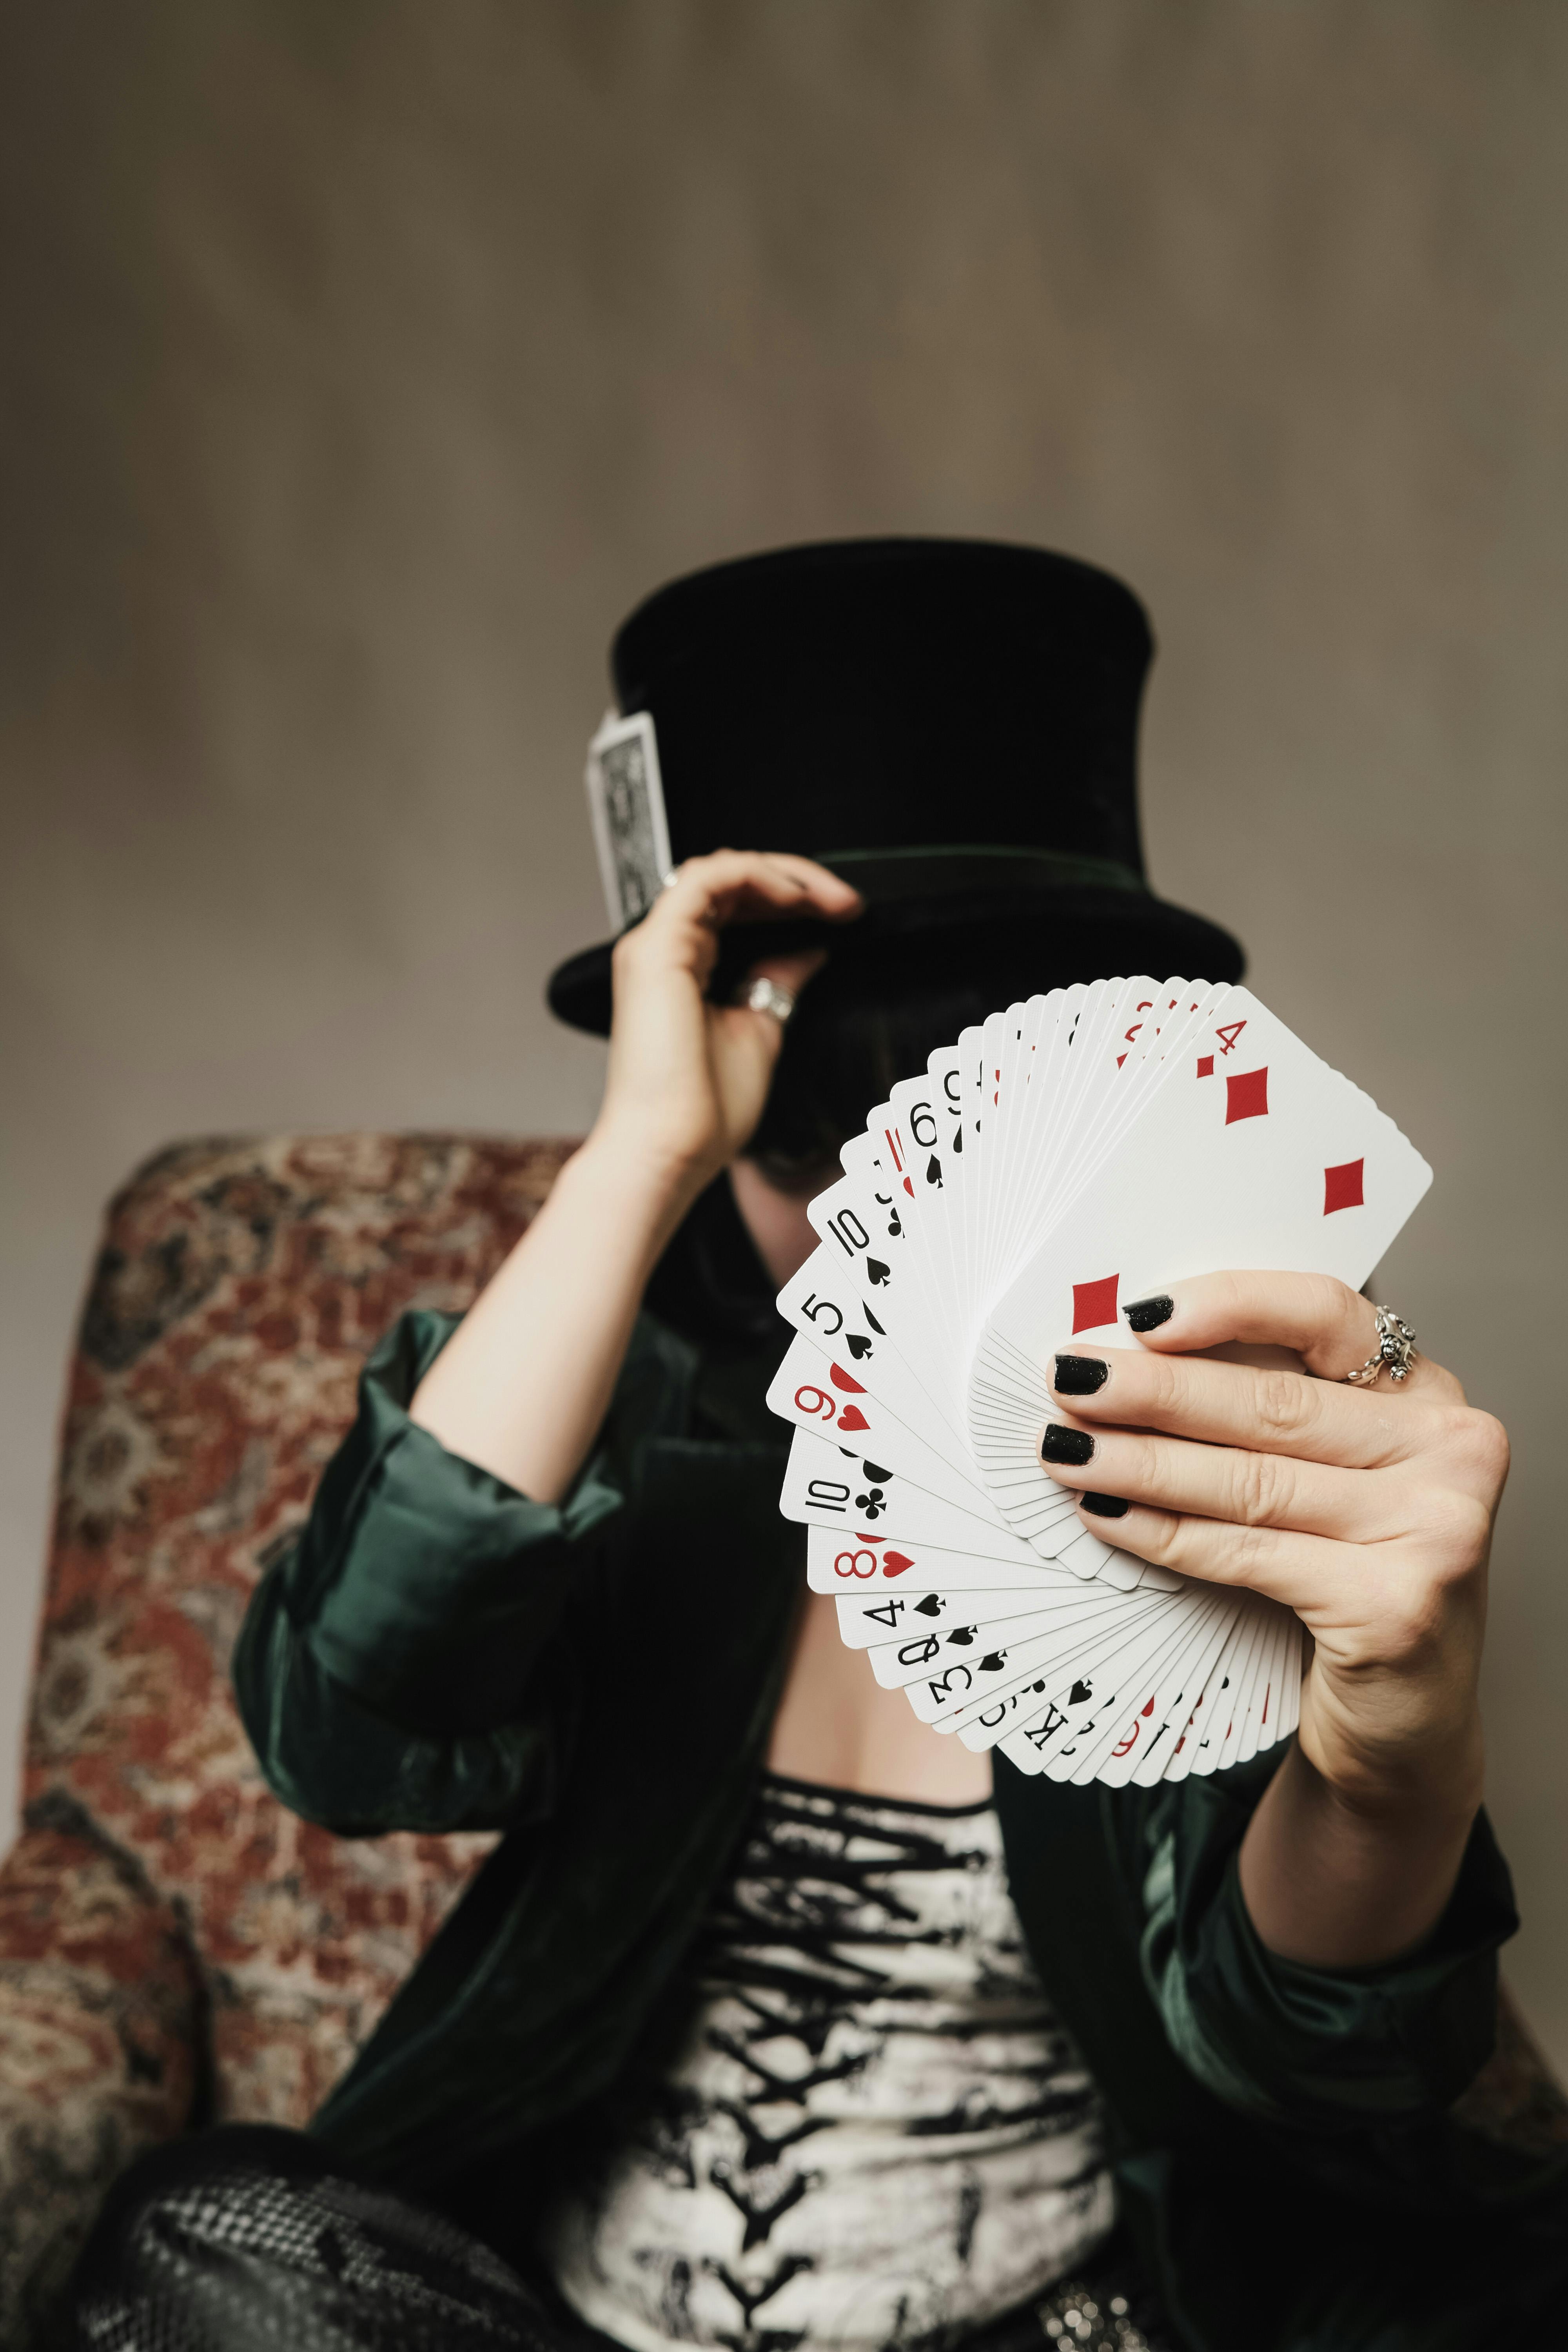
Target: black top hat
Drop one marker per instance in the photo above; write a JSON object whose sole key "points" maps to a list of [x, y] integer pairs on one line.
{"points": [[950, 724]]}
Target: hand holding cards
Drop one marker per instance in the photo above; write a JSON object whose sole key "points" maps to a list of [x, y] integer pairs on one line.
{"points": [[1062, 1160]]}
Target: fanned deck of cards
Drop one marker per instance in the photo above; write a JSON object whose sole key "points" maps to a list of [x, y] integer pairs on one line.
{"points": [[1074, 1154]]}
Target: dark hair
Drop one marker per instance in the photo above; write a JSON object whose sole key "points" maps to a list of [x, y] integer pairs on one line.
{"points": [[864, 1024]]}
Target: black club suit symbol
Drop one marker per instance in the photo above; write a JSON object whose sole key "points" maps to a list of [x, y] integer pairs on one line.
{"points": [[870, 1506]]}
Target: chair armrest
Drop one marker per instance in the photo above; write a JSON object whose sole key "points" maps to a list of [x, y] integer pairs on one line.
{"points": [[100, 2039], [1516, 2101]]}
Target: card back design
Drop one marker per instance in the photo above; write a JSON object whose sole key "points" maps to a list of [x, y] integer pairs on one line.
{"points": [[626, 803]]}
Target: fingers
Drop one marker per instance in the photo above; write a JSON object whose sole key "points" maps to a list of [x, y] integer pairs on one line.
{"points": [[1281, 1563], [1231, 1404], [681, 930], [1393, 1603], [787, 971], [1330, 1326], [735, 884], [1227, 1483]]}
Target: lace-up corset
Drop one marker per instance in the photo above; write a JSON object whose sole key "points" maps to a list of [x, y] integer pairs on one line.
{"points": [[876, 2132]]}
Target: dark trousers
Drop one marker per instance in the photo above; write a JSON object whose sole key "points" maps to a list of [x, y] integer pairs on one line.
{"points": [[252, 2239]]}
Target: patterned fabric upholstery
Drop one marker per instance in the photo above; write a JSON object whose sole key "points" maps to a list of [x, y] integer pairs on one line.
{"points": [[173, 1946]]}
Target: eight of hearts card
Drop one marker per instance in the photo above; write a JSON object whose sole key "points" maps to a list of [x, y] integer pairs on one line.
{"points": [[1070, 1155]]}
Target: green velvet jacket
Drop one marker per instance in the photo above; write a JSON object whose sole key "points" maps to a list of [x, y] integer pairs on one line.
{"points": [[438, 1653]]}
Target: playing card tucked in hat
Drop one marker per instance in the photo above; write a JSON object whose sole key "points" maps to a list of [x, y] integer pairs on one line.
{"points": [[949, 724]]}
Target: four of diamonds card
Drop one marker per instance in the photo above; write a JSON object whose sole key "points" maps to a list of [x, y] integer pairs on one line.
{"points": [[1075, 1153]]}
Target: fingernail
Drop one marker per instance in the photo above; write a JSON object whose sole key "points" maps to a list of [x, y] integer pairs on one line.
{"points": [[1148, 1314], [1105, 1507], [1080, 1375], [1062, 1444]]}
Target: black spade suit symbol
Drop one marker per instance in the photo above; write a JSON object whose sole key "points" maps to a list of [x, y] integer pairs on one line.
{"points": [[1078, 1692], [878, 1476], [876, 1272], [931, 1606], [858, 1345]]}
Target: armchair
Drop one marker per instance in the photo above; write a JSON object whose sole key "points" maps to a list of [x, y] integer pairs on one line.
{"points": [[175, 1947]]}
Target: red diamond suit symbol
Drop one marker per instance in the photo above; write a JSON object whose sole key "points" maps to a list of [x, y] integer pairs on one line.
{"points": [[1342, 1187], [1094, 1303], [1247, 1095]]}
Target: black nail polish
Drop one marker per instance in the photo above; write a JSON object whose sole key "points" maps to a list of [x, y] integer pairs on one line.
{"points": [[1059, 1445], [1080, 1375], [1106, 1506], [1148, 1314]]}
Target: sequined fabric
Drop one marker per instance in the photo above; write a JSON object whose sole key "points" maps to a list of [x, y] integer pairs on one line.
{"points": [[250, 2240]]}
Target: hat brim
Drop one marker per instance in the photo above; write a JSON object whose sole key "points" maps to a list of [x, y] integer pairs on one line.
{"points": [[1018, 941]]}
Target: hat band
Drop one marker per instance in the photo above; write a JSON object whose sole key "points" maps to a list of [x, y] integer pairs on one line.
{"points": [[945, 866]]}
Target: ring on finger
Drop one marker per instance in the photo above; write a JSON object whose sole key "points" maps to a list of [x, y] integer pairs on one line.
{"points": [[1395, 1349], [763, 996]]}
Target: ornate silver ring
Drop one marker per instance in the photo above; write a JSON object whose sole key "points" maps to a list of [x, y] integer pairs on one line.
{"points": [[1395, 1348], [766, 996]]}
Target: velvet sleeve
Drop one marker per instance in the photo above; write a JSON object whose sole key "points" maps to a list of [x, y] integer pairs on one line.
{"points": [[1316, 2045], [1357, 2068], [397, 1667]]}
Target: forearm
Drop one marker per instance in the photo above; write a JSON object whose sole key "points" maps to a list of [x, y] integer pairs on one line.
{"points": [[524, 1382], [1336, 1883]]}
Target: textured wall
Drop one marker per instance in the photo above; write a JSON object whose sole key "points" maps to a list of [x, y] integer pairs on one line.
{"points": [[364, 364]]}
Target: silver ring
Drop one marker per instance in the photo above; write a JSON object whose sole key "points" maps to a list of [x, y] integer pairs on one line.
{"points": [[765, 996], [1395, 1348]]}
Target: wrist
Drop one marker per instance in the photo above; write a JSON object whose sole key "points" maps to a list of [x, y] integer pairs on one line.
{"points": [[1352, 1871], [1433, 1783], [649, 1182]]}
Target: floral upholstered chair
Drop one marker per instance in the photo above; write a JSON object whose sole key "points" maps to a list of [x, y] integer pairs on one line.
{"points": [[174, 1947]]}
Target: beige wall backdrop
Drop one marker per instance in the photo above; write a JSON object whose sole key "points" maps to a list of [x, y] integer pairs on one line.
{"points": [[364, 363]]}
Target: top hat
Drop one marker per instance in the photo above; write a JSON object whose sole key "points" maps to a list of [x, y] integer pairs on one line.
{"points": [[950, 724]]}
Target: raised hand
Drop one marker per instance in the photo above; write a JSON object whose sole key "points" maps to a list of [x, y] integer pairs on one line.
{"points": [[687, 1080], [523, 1383], [1369, 1512]]}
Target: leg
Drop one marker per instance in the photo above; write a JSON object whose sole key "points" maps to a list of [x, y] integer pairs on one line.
{"points": [[253, 2237]]}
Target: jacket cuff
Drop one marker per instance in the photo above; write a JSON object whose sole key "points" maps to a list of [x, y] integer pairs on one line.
{"points": [[424, 1583], [1337, 2048]]}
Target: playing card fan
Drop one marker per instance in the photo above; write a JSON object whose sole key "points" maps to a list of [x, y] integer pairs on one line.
{"points": [[1053, 1168]]}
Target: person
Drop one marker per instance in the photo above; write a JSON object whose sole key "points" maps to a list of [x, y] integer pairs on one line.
{"points": [[773, 2020]]}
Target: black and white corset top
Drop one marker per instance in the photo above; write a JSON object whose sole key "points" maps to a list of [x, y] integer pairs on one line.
{"points": [[876, 2132]]}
